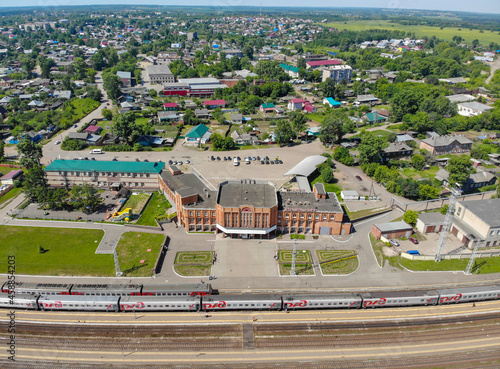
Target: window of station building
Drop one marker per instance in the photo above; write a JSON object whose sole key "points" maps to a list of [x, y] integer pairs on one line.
{"points": [[206, 213], [309, 216], [136, 184], [287, 215], [324, 217], [317, 216], [294, 216], [191, 213], [301, 216], [198, 213]]}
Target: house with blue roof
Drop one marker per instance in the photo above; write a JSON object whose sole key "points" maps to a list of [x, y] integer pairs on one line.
{"points": [[331, 102]]}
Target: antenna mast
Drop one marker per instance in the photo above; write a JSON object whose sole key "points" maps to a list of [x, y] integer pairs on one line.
{"points": [[294, 258], [455, 192], [468, 270]]}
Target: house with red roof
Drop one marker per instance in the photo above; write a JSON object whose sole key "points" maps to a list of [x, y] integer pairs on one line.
{"points": [[310, 108], [170, 106], [314, 64], [10, 177], [93, 129], [214, 104], [296, 104]]}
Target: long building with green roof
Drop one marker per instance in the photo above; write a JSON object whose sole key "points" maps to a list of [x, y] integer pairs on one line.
{"points": [[111, 175]]}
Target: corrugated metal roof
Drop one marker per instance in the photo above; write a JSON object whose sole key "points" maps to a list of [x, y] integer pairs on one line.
{"points": [[306, 166], [393, 226], [105, 166]]}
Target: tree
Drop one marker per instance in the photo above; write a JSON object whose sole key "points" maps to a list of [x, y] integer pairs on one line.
{"points": [[87, 198], [406, 101], [410, 217], [334, 126], [417, 161], [370, 147], [283, 132], [107, 114], [298, 122], [327, 174], [111, 83], [427, 192], [94, 93], [2, 151], [124, 125], [30, 152], [35, 183], [189, 118], [459, 167]]}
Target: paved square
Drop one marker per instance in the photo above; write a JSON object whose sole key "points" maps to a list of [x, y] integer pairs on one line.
{"points": [[245, 258]]}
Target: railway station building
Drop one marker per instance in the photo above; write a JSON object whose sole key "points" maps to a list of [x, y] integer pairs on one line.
{"points": [[250, 208]]}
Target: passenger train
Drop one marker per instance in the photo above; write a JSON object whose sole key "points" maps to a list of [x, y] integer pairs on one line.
{"points": [[191, 301]]}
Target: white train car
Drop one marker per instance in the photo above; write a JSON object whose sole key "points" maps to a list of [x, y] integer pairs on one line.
{"points": [[466, 294], [241, 302], [106, 289], [294, 302], [400, 298], [40, 288], [79, 302], [18, 301], [160, 303]]}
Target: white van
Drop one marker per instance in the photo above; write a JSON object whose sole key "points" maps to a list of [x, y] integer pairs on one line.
{"points": [[236, 162], [96, 151]]}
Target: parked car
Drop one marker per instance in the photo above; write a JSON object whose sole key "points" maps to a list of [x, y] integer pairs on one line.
{"points": [[413, 240], [394, 243], [188, 161], [359, 178], [57, 142]]}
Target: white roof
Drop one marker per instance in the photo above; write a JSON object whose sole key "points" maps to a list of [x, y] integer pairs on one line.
{"points": [[306, 166]]}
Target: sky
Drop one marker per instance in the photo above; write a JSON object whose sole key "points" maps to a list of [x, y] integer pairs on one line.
{"points": [[481, 6]]}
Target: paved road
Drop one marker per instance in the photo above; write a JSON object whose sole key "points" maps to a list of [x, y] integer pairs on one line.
{"points": [[494, 67]]}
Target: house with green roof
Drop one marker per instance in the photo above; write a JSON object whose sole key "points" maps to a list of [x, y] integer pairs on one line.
{"points": [[267, 108], [331, 102], [290, 70], [107, 175], [198, 135], [374, 118]]}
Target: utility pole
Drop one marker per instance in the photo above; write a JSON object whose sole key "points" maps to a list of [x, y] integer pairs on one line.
{"points": [[455, 192], [294, 258]]}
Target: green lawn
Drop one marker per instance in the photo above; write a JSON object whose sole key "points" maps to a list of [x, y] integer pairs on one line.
{"points": [[446, 33], [9, 196], [194, 257], [316, 117], [5, 170], [481, 265], [341, 267], [193, 270], [329, 187], [83, 107], [415, 174], [300, 269], [329, 255], [136, 202], [157, 206], [303, 256], [70, 252], [133, 248]]}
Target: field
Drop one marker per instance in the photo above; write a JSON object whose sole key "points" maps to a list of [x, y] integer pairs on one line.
{"points": [[303, 256], [337, 262], [137, 253], [69, 252], [136, 202], [193, 263], [481, 266], [303, 264], [414, 174], [446, 33], [157, 206]]}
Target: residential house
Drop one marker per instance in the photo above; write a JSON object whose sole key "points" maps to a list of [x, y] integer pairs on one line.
{"points": [[430, 222], [460, 98], [36, 104], [198, 135], [244, 138], [315, 64], [313, 131], [147, 140], [449, 144], [125, 77], [202, 113], [337, 73], [236, 118], [477, 222], [473, 108], [290, 70], [473, 182], [330, 101], [396, 150], [374, 118], [214, 104], [160, 74], [167, 116], [453, 81], [93, 130], [267, 108], [310, 108], [10, 177], [170, 106], [369, 99], [296, 104]]}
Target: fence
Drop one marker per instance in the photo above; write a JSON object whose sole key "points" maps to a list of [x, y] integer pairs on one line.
{"points": [[437, 203], [161, 256], [450, 257]]}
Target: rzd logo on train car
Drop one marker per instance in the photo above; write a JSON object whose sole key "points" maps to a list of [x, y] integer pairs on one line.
{"points": [[137, 305], [301, 303], [446, 299], [56, 304], [379, 302], [215, 305]]}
